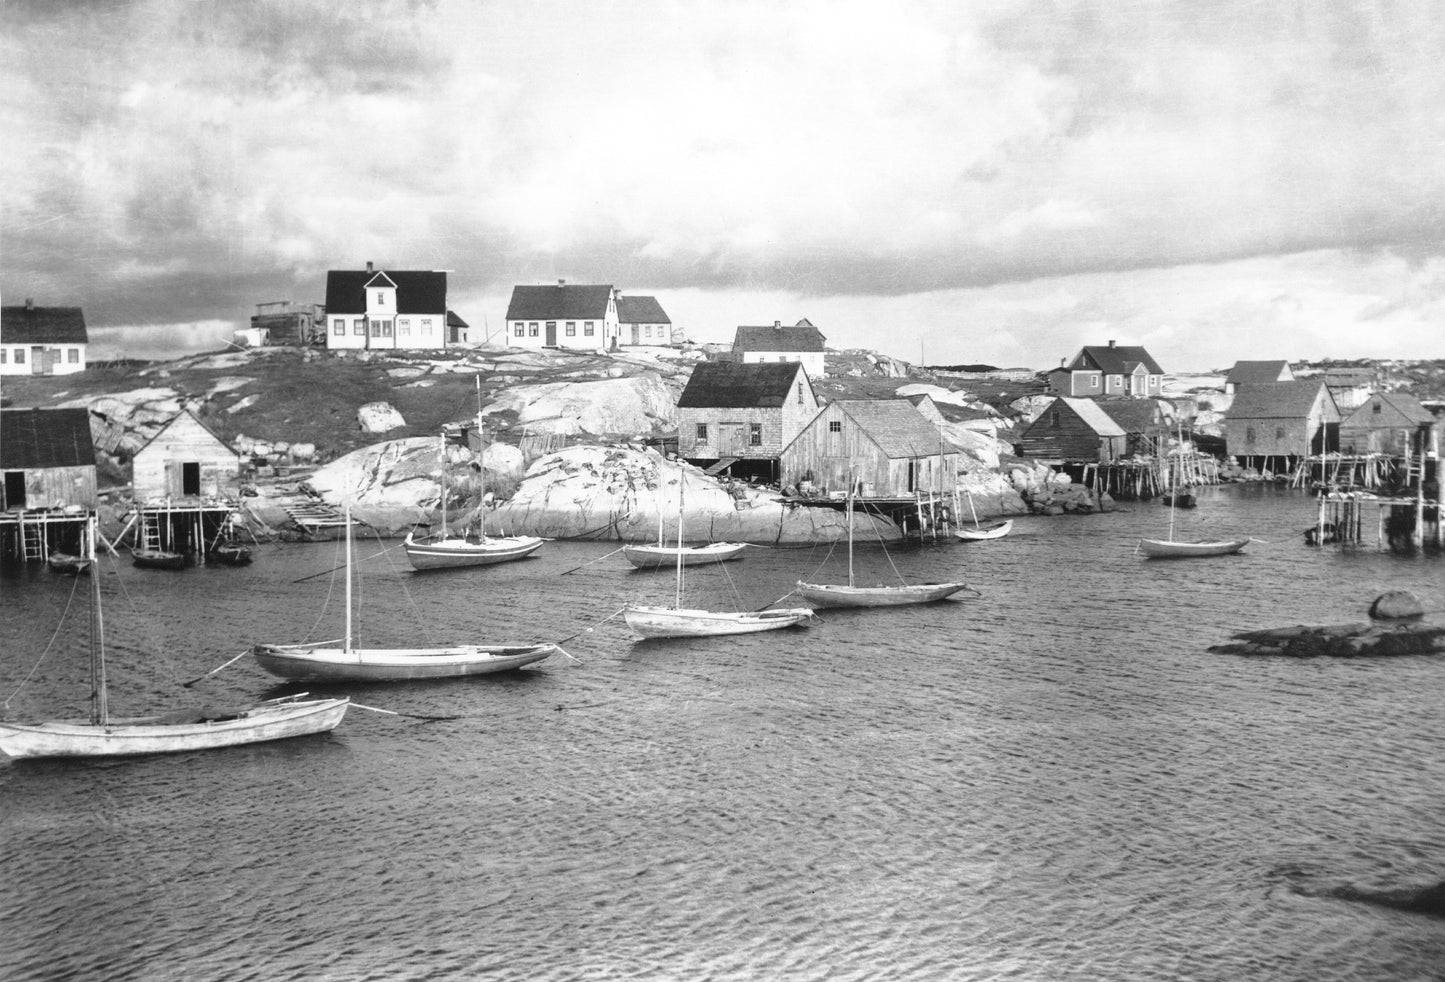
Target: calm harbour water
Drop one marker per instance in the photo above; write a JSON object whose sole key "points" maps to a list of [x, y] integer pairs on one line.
{"points": [[1052, 781]]}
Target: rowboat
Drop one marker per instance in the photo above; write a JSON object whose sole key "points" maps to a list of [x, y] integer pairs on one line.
{"points": [[997, 530], [158, 559], [231, 554], [67, 563], [851, 595], [324, 662], [1173, 549], [103, 735], [656, 557]]}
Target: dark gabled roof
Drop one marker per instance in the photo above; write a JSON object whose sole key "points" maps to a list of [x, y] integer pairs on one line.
{"points": [[35, 438], [417, 291], [733, 385], [559, 301], [1276, 400], [1133, 415], [1398, 409], [641, 310], [897, 426], [1115, 359], [454, 321], [1250, 372], [775, 337], [24, 324]]}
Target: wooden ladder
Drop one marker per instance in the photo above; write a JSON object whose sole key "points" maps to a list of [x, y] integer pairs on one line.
{"points": [[149, 535], [32, 538]]}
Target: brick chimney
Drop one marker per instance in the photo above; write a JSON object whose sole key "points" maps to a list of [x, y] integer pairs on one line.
{"points": [[1111, 343], [370, 270], [777, 325], [561, 282], [29, 303]]}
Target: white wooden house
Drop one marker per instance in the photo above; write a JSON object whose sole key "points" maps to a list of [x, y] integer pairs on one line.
{"points": [[801, 343], [42, 340], [563, 316], [185, 459], [388, 310], [642, 321]]}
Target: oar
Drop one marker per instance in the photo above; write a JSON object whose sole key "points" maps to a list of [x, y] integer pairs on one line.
{"points": [[213, 671]]}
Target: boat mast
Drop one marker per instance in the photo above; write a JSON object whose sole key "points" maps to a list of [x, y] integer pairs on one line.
{"points": [[482, 463], [348, 576], [100, 706], [681, 479]]}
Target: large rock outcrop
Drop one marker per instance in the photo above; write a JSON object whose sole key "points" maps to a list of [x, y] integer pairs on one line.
{"points": [[641, 405]]}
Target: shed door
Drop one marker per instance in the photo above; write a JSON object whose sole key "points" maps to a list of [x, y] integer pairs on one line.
{"points": [[14, 490], [551, 334], [191, 478], [730, 440], [40, 364]]}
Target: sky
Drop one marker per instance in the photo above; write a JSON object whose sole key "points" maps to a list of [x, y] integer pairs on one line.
{"points": [[960, 181]]}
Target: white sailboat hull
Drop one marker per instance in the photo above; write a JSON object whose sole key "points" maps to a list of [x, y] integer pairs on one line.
{"points": [[1163, 549], [317, 664], [451, 553], [842, 595], [150, 736], [674, 622], [660, 557]]}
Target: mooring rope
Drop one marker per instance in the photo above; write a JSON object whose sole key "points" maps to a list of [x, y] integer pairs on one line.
{"points": [[428, 718], [59, 624]]}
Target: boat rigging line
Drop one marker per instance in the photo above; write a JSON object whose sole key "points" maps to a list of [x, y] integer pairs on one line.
{"points": [[591, 561], [201, 678]]}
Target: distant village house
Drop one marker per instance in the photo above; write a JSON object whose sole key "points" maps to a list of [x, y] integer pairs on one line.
{"points": [[47, 458], [1392, 423], [581, 316], [283, 322], [1256, 373], [1283, 419], [801, 343], [886, 447], [388, 310], [1108, 370], [42, 340], [738, 418], [643, 321]]}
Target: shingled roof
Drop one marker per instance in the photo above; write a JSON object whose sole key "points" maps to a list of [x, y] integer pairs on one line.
{"points": [[36, 438], [641, 310], [1115, 359], [1093, 414], [1278, 400], [802, 336], [28, 324], [1254, 372], [417, 291], [897, 426], [733, 385], [559, 301], [1395, 409], [1134, 415]]}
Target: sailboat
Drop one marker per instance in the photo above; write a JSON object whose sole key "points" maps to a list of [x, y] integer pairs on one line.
{"points": [[682, 622], [1171, 548], [852, 595], [444, 551], [994, 530], [323, 662], [656, 557], [104, 735]]}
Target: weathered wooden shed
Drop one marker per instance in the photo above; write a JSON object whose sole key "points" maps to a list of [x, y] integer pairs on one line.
{"points": [[47, 458], [1073, 431], [885, 445], [1282, 419], [731, 412], [1146, 431], [1389, 423], [186, 459]]}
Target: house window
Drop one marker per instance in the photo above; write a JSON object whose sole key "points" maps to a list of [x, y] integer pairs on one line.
{"points": [[403, 326], [532, 331], [587, 328], [1054, 419], [380, 299], [800, 393], [1279, 432], [835, 426], [4, 355], [519, 330], [19, 356], [1249, 434], [701, 432], [1375, 407], [338, 326], [755, 434], [1094, 380], [72, 355], [358, 326], [571, 329], [426, 325]]}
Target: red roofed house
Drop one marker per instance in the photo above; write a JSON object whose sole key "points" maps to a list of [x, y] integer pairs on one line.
{"points": [[643, 321], [1111, 370], [391, 310], [42, 340], [562, 316], [801, 343]]}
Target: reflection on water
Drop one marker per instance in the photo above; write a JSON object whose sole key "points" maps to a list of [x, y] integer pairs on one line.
{"points": [[1052, 781]]}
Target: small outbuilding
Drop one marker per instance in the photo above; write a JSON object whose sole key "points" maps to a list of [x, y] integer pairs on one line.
{"points": [[1391, 423], [885, 445], [740, 417], [48, 459], [1073, 431], [1282, 419], [186, 459]]}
